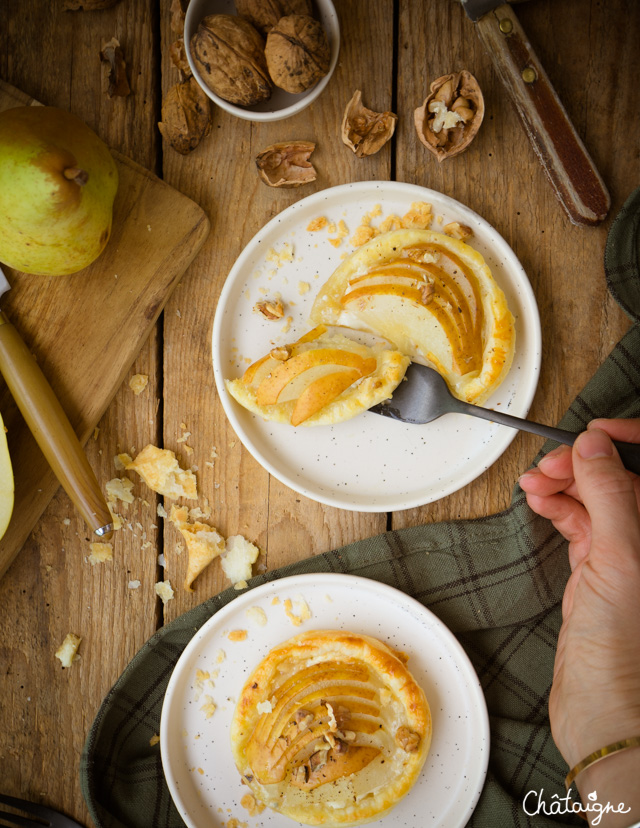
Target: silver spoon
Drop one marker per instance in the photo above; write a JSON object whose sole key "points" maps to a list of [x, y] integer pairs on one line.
{"points": [[424, 396]]}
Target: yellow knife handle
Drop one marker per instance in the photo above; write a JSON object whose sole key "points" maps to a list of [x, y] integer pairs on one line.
{"points": [[52, 430]]}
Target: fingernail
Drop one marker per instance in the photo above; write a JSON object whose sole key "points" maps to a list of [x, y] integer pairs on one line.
{"points": [[556, 452], [594, 443], [529, 473]]}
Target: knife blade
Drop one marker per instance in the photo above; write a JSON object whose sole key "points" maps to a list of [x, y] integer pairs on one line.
{"points": [[50, 426], [564, 158]]}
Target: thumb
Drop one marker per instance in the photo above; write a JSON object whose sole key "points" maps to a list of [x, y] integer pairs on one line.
{"points": [[606, 490]]}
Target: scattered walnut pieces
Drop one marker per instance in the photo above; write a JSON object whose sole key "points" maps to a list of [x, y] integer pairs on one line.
{"points": [[363, 130], [407, 739], [273, 309], [164, 591], [286, 164], [112, 57], [204, 543], [67, 652], [237, 559], [138, 383], [297, 52], [186, 116], [450, 117], [160, 470], [458, 231], [230, 57], [100, 552], [178, 55]]}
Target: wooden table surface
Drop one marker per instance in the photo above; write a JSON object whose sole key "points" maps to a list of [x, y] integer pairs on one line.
{"points": [[391, 50]]}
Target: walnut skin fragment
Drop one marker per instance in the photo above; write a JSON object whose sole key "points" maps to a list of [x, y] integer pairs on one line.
{"points": [[177, 12], [264, 14], [450, 117], [287, 164], [363, 130], [186, 116], [112, 57], [229, 54], [178, 56], [298, 53]]}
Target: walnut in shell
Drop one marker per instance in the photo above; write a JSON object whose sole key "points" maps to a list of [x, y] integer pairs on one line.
{"points": [[186, 116], [450, 117], [229, 54], [298, 53], [287, 164], [363, 130], [264, 14]]}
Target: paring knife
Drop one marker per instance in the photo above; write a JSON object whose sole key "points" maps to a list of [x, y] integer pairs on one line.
{"points": [[50, 426], [562, 154]]}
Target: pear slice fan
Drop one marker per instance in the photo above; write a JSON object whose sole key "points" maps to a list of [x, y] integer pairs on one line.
{"points": [[331, 729], [434, 298], [319, 380]]}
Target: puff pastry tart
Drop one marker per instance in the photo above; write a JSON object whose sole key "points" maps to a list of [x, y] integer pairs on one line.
{"points": [[331, 729], [321, 379], [434, 298]]}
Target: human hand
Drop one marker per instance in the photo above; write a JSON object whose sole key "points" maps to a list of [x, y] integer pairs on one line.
{"points": [[595, 503]]}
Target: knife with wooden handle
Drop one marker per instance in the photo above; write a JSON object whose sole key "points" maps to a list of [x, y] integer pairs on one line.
{"points": [[562, 154], [50, 426]]}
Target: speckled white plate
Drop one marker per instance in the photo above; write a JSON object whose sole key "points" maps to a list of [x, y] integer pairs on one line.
{"points": [[369, 463], [196, 752]]}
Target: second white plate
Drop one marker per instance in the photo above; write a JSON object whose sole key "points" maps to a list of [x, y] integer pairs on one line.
{"points": [[196, 752], [369, 463]]}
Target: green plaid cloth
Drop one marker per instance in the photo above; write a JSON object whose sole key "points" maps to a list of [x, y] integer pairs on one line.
{"points": [[497, 583]]}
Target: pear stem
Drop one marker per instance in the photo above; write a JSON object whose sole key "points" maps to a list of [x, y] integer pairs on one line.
{"points": [[76, 174]]}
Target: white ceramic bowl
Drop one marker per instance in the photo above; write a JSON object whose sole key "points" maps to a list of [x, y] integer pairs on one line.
{"points": [[281, 104]]}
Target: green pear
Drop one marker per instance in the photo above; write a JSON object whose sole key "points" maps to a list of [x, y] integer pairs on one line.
{"points": [[6, 482], [58, 181]]}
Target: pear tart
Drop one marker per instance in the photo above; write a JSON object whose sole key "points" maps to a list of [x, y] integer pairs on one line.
{"points": [[434, 298], [319, 380], [331, 729]]}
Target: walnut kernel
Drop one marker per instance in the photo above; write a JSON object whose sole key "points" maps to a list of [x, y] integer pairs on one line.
{"points": [[450, 117]]}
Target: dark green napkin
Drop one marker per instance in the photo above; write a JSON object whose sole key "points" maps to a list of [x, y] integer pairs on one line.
{"points": [[497, 582]]}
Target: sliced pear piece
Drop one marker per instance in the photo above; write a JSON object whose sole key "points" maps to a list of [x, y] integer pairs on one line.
{"points": [[321, 392], [6, 482]]}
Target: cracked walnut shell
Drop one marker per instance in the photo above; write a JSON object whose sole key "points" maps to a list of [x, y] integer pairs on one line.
{"points": [[363, 130], [186, 116], [229, 55], [287, 164], [264, 14], [298, 53], [450, 117]]}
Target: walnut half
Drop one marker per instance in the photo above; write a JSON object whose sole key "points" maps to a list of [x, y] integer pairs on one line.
{"points": [[450, 117], [363, 130], [286, 164]]}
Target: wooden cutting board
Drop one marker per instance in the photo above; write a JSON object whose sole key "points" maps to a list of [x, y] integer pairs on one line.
{"points": [[86, 329]]}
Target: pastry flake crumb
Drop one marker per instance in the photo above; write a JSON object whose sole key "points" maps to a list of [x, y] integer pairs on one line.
{"points": [[204, 543], [238, 557], [297, 612], [258, 615], [220, 656], [160, 470], [154, 740], [362, 235], [100, 552], [237, 635], [134, 584], [67, 652], [419, 217], [303, 287], [316, 224], [251, 805], [138, 383], [282, 256], [119, 488], [264, 707], [164, 591]]}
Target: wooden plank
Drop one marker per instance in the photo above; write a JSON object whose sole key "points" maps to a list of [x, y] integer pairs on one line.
{"points": [[51, 589], [499, 176], [221, 175]]}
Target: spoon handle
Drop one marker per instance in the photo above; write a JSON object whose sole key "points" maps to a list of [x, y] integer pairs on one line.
{"points": [[629, 452]]}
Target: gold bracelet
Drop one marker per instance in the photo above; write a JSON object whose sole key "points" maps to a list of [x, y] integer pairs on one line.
{"points": [[597, 755]]}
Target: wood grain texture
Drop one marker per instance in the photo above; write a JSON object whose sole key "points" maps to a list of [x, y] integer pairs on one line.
{"points": [[391, 50]]}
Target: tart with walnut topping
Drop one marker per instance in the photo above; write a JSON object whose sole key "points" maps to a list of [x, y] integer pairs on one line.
{"points": [[331, 729]]}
